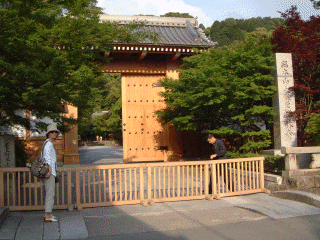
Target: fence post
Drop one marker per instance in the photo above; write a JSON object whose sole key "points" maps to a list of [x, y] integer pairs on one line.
{"points": [[69, 188], [77, 186], [141, 183], [214, 178], [261, 174], [149, 182], [179, 185], [1, 190], [206, 179]]}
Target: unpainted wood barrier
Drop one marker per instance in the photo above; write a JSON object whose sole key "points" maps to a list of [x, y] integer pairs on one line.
{"points": [[108, 185]]}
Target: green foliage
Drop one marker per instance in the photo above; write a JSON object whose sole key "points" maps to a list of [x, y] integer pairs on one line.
{"points": [[230, 30], [256, 140], [110, 124], [177, 14], [316, 4], [223, 132], [49, 54], [227, 92], [205, 30], [313, 128], [274, 164], [107, 91], [237, 154], [107, 97]]}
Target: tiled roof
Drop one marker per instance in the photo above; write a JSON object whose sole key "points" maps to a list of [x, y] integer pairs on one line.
{"points": [[172, 31]]}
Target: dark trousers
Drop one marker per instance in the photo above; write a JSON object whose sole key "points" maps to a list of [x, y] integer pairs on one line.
{"points": [[225, 178]]}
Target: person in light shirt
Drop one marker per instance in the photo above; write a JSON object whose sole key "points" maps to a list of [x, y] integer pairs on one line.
{"points": [[50, 157]]}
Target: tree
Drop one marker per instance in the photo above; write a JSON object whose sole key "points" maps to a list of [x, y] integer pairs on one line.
{"points": [[301, 38], [50, 55], [313, 128], [205, 30], [177, 14], [226, 91], [107, 97], [316, 4], [230, 30], [226, 32]]}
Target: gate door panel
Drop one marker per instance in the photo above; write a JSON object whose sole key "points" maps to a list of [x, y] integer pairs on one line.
{"points": [[144, 139]]}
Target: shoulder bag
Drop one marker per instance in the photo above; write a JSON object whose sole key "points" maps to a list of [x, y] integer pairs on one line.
{"points": [[38, 168]]}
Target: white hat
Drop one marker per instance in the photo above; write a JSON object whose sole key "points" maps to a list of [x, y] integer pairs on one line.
{"points": [[52, 127]]}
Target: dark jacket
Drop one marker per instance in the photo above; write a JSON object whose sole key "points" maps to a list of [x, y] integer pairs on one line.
{"points": [[220, 149]]}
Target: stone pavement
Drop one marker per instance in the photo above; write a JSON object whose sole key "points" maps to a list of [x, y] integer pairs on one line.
{"points": [[101, 155], [170, 220]]}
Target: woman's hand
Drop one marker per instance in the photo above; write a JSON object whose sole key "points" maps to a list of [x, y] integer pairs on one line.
{"points": [[49, 173]]}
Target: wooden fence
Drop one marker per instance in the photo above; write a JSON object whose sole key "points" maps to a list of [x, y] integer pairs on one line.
{"points": [[107, 185]]}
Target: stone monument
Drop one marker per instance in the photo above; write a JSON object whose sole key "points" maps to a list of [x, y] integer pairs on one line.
{"points": [[7, 154], [285, 127]]}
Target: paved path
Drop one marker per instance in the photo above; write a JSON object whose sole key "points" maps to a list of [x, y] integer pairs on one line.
{"points": [[101, 155], [243, 217]]}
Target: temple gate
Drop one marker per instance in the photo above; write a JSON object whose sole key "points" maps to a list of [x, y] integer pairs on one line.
{"points": [[142, 67]]}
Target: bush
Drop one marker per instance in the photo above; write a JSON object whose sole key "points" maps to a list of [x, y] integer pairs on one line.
{"points": [[313, 128], [241, 155], [272, 164]]}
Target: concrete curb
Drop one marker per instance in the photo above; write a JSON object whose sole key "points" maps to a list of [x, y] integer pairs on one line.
{"points": [[299, 196], [4, 212]]}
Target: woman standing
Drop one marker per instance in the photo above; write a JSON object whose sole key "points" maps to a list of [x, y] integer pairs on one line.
{"points": [[50, 157]]}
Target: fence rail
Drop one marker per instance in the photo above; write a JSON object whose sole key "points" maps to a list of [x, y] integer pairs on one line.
{"points": [[107, 185]]}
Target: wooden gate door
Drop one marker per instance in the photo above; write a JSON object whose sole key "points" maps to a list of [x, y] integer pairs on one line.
{"points": [[144, 139]]}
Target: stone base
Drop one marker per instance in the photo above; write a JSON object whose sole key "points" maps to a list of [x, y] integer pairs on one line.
{"points": [[272, 182], [307, 180], [71, 159]]}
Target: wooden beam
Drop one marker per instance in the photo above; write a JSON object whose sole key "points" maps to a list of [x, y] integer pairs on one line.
{"points": [[175, 57], [143, 55], [106, 54]]}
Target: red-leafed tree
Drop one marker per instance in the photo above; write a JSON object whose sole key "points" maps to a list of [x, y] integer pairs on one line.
{"points": [[302, 39]]}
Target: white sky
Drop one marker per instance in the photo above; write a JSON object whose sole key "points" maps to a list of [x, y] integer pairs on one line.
{"points": [[208, 11]]}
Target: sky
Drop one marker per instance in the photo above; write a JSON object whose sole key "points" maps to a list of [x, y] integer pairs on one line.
{"points": [[208, 11]]}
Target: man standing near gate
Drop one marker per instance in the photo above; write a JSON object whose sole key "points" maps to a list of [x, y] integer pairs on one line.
{"points": [[219, 151]]}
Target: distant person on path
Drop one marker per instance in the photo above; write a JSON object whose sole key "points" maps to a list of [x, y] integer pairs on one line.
{"points": [[219, 151], [50, 157]]}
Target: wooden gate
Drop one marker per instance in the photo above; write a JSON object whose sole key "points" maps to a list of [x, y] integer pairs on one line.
{"points": [[144, 139]]}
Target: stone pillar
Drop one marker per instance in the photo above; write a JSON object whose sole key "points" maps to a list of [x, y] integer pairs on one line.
{"points": [[71, 154], [285, 127]]}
